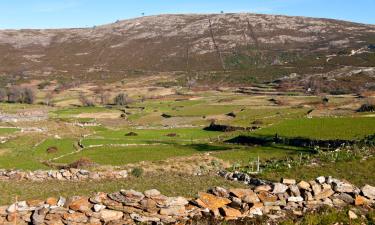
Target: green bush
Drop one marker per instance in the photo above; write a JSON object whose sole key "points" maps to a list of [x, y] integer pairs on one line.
{"points": [[137, 172]]}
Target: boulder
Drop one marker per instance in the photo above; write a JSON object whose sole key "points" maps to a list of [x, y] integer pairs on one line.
{"points": [[246, 195], [324, 194]]}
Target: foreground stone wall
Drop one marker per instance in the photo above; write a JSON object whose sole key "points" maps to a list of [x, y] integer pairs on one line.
{"points": [[130, 207], [63, 174]]}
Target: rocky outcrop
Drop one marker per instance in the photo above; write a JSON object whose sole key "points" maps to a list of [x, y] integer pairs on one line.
{"points": [[63, 174], [275, 200]]}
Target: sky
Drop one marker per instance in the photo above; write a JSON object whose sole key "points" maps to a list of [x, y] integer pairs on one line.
{"points": [[18, 14]]}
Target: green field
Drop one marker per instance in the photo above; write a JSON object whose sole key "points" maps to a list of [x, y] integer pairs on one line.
{"points": [[345, 128]]}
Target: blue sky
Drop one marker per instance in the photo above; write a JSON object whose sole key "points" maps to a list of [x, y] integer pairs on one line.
{"points": [[18, 14]]}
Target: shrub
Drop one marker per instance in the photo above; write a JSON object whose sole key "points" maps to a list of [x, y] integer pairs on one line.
{"points": [[121, 99], [81, 163], [137, 172]]}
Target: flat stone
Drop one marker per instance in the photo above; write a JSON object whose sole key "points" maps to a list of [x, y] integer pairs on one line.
{"points": [[211, 201], [294, 190], [75, 217], [230, 212], [324, 194], [80, 204], [368, 191], [109, 215], [132, 196], [279, 188], [144, 219], [295, 199], [246, 195], [152, 193], [288, 181], [267, 197], [173, 211], [262, 188], [343, 187], [346, 198]]}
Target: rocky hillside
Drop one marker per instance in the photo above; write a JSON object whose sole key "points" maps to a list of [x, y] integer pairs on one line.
{"points": [[237, 48]]}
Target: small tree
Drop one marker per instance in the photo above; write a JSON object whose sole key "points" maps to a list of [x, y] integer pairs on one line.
{"points": [[48, 99], [14, 94], [28, 96], [84, 100], [3, 95], [121, 99]]}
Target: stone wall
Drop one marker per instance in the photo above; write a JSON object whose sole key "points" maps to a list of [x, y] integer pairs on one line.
{"points": [[63, 174], [275, 200]]}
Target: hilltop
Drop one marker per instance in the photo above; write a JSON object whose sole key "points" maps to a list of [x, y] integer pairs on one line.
{"points": [[225, 49]]}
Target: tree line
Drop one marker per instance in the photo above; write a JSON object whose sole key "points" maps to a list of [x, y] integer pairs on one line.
{"points": [[17, 94]]}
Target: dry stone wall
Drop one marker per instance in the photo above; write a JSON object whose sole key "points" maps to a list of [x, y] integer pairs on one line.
{"points": [[274, 200], [63, 174]]}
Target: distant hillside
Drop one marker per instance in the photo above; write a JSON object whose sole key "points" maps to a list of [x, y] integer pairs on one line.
{"points": [[221, 48]]}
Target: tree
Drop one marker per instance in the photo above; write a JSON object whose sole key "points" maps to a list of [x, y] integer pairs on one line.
{"points": [[28, 96], [121, 99], [14, 94], [48, 99], [84, 100], [3, 95]]}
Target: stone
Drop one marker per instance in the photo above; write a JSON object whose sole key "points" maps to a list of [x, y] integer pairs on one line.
{"points": [[211, 201], [173, 211], [230, 213], [132, 196], [294, 190], [35, 203], [99, 207], [236, 203], [369, 191], [345, 197], [80, 204], [316, 188], [107, 215], [75, 217], [246, 195], [279, 188], [304, 185], [221, 192], [99, 198], [339, 186], [149, 205], [143, 219], [295, 199], [61, 202], [288, 181], [262, 188], [267, 197], [324, 194], [360, 200], [320, 179], [352, 215], [152, 193], [176, 201], [51, 201], [338, 202]]}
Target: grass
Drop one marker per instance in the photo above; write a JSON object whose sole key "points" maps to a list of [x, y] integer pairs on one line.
{"points": [[345, 128], [356, 171], [132, 154], [4, 131], [244, 155], [168, 183]]}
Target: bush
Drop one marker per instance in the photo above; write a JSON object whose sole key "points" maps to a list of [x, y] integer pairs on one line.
{"points": [[137, 172], [121, 99]]}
